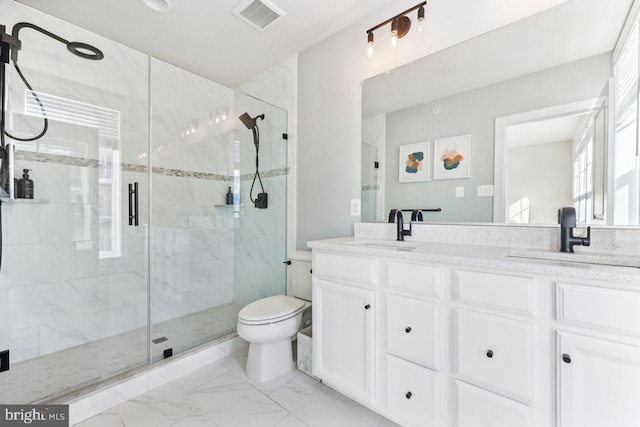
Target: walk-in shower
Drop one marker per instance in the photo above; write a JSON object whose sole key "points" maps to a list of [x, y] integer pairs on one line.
{"points": [[85, 294]]}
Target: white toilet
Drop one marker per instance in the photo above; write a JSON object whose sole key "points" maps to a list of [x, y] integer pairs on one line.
{"points": [[270, 323]]}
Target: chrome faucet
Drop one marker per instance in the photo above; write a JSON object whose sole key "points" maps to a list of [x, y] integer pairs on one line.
{"points": [[567, 221]]}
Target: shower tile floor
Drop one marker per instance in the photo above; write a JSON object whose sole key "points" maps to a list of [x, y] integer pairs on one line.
{"points": [[63, 371], [221, 395]]}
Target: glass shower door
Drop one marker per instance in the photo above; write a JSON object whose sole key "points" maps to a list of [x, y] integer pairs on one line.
{"points": [[73, 285]]}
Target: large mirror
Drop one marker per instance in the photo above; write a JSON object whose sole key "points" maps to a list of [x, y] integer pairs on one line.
{"points": [[512, 125]]}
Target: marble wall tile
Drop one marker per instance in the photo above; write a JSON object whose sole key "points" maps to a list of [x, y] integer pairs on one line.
{"points": [[20, 224]]}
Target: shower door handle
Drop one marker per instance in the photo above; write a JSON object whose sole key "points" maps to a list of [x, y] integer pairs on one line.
{"points": [[133, 204]]}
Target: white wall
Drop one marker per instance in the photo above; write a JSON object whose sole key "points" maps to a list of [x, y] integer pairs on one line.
{"points": [[329, 99], [542, 173]]}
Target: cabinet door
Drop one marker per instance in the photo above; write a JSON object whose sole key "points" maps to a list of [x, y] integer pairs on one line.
{"points": [[599, 382], [343, 351]]}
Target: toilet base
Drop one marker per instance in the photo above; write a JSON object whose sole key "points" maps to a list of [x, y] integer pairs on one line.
{"points": [[269, 360]]}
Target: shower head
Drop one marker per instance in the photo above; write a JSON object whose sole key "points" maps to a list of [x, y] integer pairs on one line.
{"points": [[83, 50], [247, 121], [250, 123]]}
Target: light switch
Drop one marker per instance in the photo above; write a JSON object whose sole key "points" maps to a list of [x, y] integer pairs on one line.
{"points": [[355, 207], [459, 191], [485, 190]]}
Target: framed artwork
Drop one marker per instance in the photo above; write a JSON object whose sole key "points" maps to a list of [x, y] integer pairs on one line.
{"points": [[413, 165], [451, 157]]}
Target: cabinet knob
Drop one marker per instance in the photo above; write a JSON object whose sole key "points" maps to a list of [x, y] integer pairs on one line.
{"points": [[489, 354], [566, 358], [408, 395], [367, 307], [408, 329]]}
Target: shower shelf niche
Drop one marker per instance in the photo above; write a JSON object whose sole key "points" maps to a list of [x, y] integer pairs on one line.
{"points": [[31, 201]]}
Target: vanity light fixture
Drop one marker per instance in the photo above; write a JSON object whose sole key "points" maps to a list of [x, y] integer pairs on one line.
{"points": [[400, 25]]}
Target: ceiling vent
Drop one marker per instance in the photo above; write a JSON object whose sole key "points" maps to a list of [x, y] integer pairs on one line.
{"points": [[260, 14]]}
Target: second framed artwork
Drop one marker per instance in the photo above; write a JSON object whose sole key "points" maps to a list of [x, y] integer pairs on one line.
{"points": [[451, 157], [414, 162]]}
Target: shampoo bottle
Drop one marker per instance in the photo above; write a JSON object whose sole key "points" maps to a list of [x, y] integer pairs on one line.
{"points": [[25, 186], [229, 197]]}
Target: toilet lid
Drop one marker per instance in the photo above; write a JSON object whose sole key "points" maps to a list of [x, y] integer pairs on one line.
{"points": [[270, 309]]}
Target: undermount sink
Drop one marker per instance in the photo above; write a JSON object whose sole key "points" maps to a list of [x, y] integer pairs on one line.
{"points": [[387, 244], [611, 259]]}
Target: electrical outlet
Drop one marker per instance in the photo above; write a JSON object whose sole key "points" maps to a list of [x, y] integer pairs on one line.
{"points": [[485, 190], [4, 360], [459, 191], [355, 207]]}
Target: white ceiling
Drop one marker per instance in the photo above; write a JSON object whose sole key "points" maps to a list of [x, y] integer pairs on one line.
{"points": [[568, 32], [544, 131], [203, 36]]}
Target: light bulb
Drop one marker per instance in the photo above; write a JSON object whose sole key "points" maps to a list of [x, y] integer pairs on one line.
{"points": [[370, 44], [394, 32], [420, 19], [421, 26], [370, 50], [224, 117], [217, 120]]}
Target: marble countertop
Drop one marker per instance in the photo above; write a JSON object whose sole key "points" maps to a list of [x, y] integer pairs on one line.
{"points": [[520, 260]]}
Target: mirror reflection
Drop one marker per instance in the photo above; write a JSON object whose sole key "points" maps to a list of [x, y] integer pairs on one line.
{"points": [[512, 125]]}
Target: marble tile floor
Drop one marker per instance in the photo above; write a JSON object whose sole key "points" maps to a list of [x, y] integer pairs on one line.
{"points": [[221, 395], [44, 377]]}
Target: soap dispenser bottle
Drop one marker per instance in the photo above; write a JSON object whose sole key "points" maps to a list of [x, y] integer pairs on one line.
{"points": [[25, 186], [229, 197]]}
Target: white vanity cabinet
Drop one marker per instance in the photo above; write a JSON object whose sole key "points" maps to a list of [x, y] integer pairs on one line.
{"points": [[598, 373], [343, 324], [443, 345]]}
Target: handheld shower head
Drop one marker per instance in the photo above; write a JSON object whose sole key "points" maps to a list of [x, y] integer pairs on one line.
{"points": [[250, 123], [247, 121]]}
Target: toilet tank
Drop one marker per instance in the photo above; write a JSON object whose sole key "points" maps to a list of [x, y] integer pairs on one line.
{"points": [[300, 274]]}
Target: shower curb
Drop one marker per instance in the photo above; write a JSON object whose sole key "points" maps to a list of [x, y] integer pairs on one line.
{"points": [[98, 398]]}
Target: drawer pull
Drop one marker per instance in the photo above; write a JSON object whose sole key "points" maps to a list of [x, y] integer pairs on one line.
{"points": [[367, 307], [408, 329], [489, 354], [408, 395], [566, 358]]}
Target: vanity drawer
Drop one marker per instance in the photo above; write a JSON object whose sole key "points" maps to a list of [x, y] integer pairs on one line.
{"points": [[496, 352], [419, 278], [346, 267], [611, 310], [413, 393], [476, 407], [413, 330], [510, 293]]}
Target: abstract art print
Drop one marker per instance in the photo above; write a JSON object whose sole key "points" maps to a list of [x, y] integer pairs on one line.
{"points": [[451, 157], [414, 162]]}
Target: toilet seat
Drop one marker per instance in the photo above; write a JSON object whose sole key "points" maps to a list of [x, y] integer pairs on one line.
{"points": [[270, 310]]}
